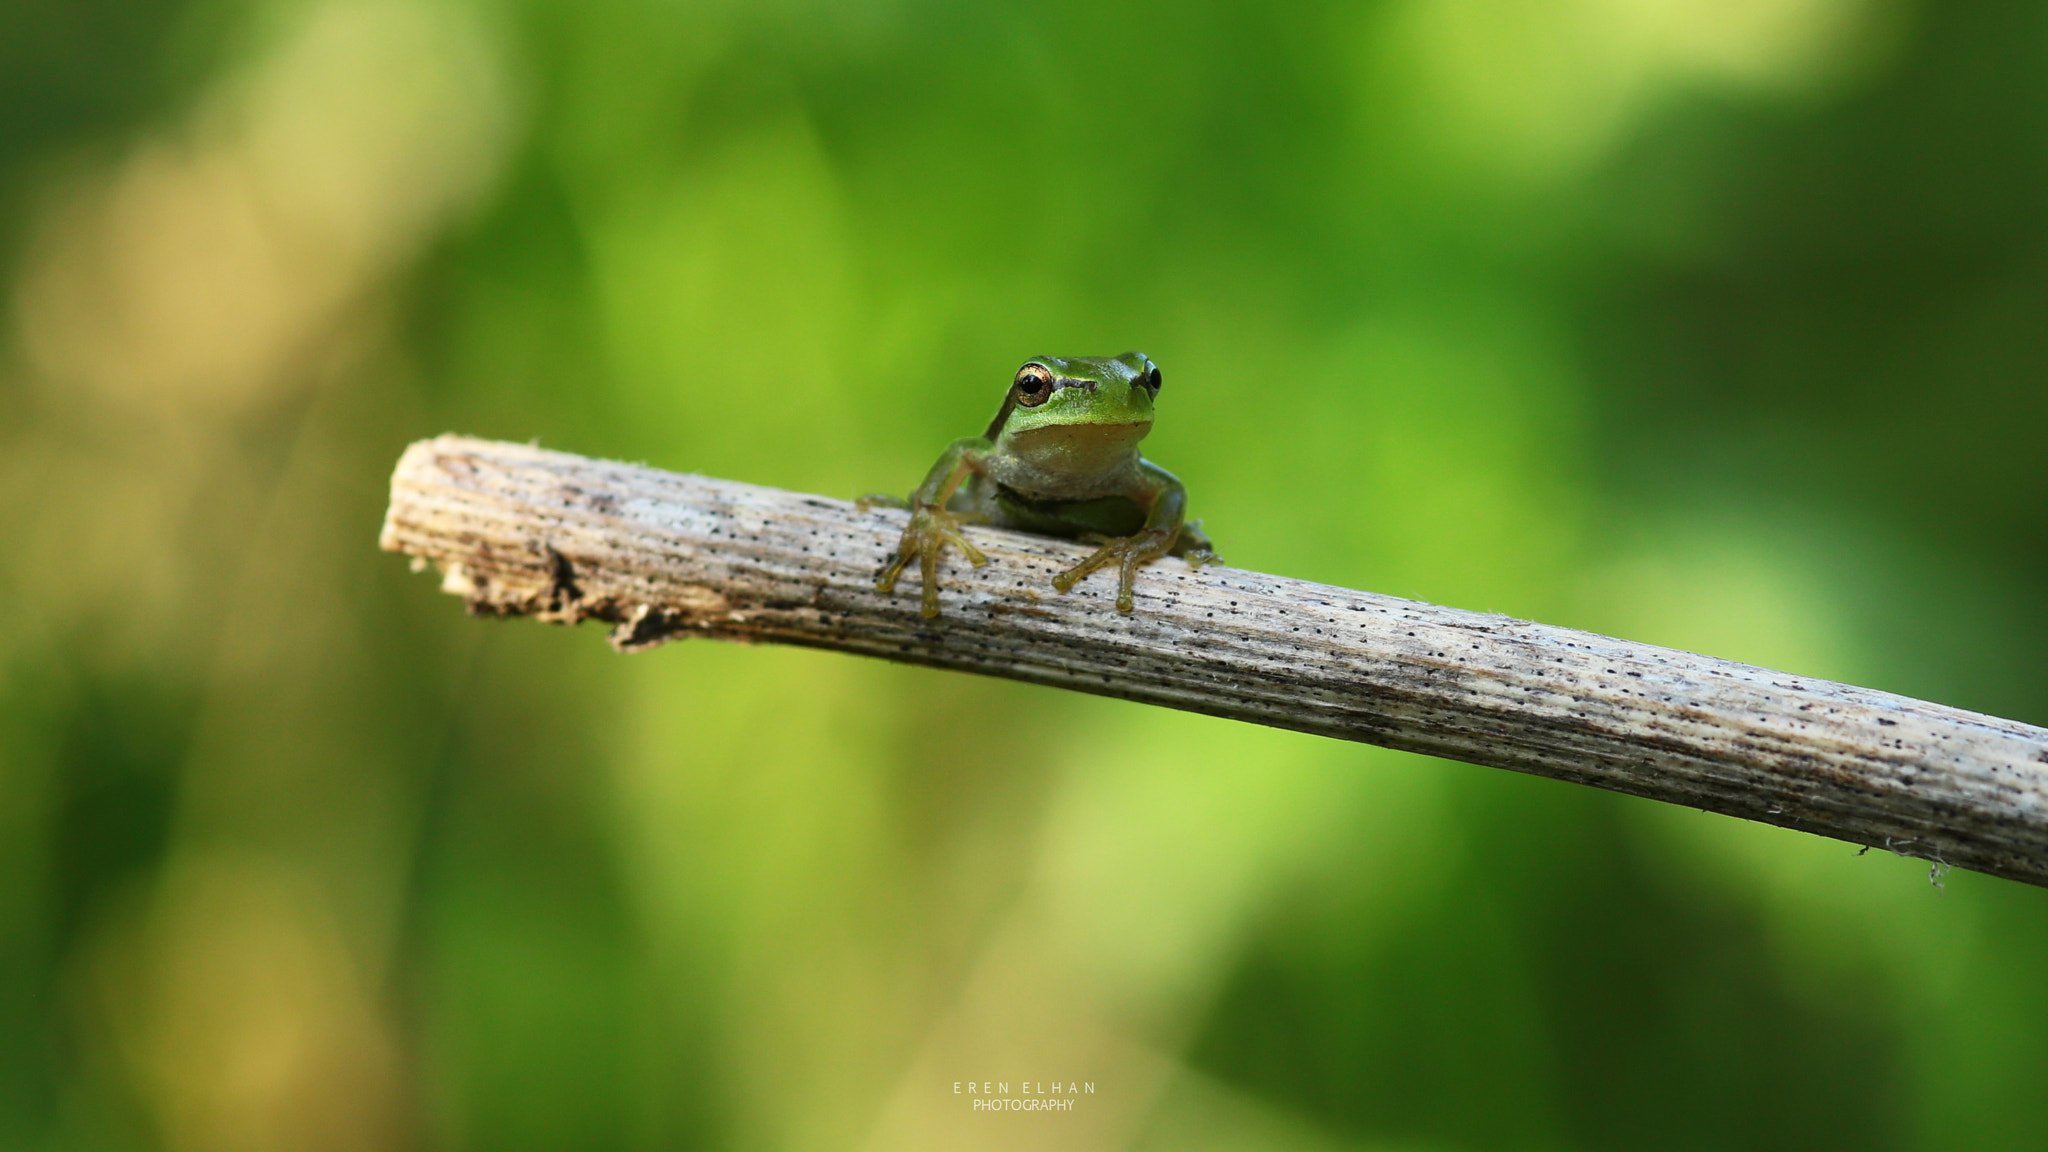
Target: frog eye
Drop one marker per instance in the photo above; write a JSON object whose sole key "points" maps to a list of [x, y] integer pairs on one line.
{"points": [[1151, 379], [1034, 385]]}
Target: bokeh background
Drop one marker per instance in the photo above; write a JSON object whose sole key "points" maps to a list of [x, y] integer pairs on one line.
{"points": [[1720, 324]]}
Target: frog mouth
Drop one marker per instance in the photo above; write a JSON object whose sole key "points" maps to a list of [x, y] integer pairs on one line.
{"points": [[1121, 433]]}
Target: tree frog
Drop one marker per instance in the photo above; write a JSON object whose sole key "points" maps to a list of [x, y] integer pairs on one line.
{"points": [[1060, 459]]}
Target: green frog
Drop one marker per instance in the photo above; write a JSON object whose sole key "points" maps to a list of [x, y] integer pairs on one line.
{"points": [[1060, 459]]}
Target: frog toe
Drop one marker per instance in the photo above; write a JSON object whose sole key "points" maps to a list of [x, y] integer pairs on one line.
{"points": [[973, 554], [1127, 578], [1066, 580], [886, 582], [928, 566]]}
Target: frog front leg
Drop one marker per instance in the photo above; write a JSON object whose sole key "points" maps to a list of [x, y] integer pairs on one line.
{"points": [[1165, 519], [931, 526]]}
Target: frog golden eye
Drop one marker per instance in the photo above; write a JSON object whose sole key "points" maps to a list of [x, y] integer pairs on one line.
{"points": [[1034, 385]]}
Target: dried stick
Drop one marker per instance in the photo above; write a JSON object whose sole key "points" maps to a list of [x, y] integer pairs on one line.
{"points": [[522, 531]]}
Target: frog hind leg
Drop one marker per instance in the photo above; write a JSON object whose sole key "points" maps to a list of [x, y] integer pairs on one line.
{"points": [[1194, 546]]}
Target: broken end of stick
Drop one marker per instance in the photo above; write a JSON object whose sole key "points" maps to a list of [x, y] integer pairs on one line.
{"points": [[451, 508]]}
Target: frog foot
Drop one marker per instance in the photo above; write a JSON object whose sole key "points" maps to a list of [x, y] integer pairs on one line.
{"points": [[925, 537], [878, 500], [1128, 551]]}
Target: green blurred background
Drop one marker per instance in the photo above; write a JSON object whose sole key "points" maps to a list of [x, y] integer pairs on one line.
{"points": [[1720, 324]]}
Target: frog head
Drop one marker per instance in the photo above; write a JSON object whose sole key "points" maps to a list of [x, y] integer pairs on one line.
{"points": [[1077, 412]]}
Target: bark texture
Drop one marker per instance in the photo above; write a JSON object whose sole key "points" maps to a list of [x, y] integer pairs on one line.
{"points": [[520, 531]]}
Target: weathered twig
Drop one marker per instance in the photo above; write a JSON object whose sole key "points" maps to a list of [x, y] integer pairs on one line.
{"points": [[522, 531]]}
